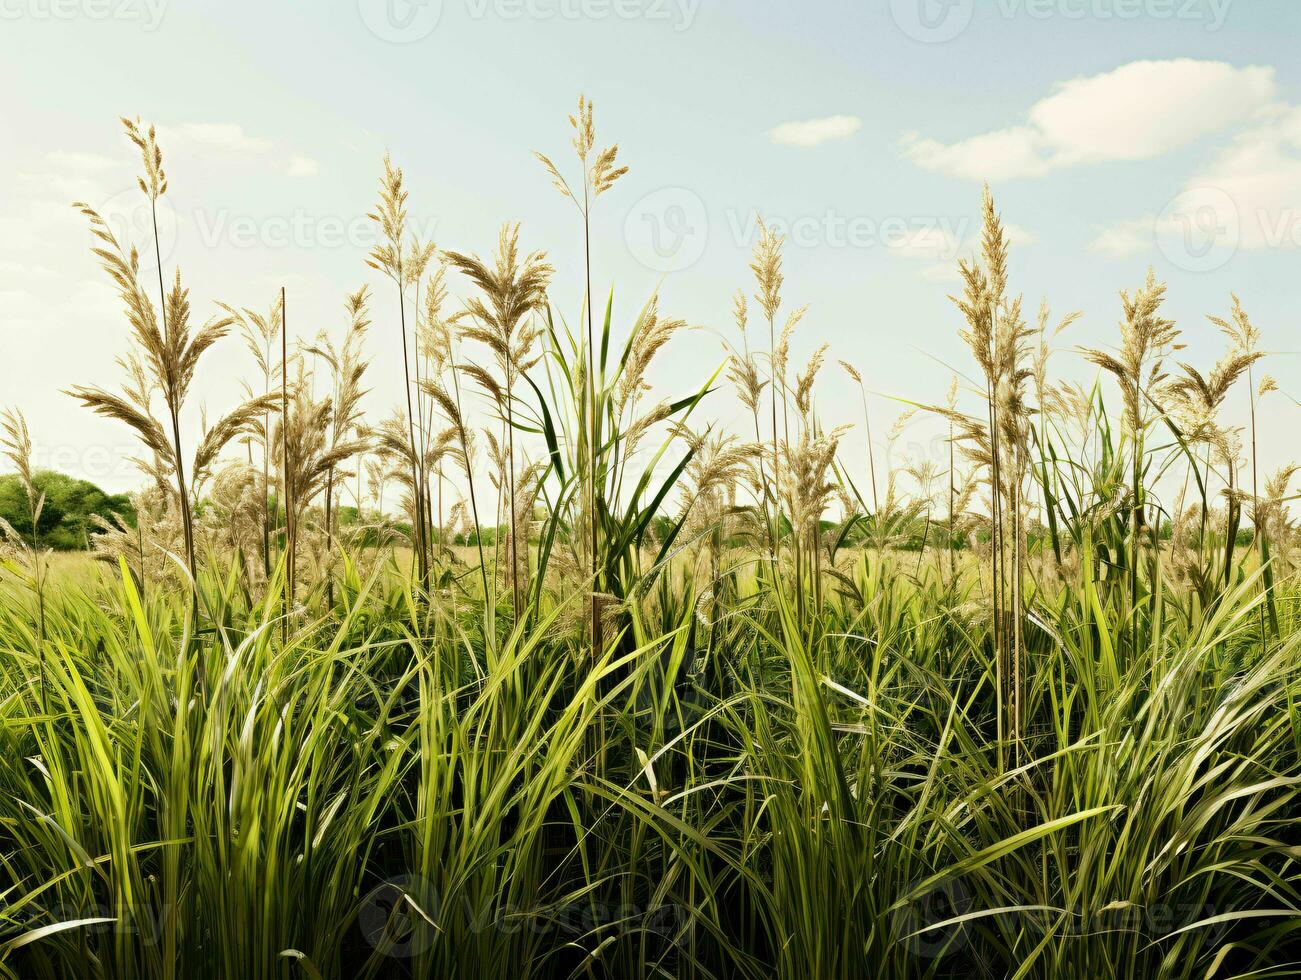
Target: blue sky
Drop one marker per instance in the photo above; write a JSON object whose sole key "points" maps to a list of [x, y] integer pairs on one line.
{"points": [[1115, 133]]}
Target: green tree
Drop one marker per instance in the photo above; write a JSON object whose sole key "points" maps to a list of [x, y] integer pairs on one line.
{"points": [[65, 522]]}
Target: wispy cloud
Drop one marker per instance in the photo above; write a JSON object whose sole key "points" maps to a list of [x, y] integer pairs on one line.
{"points": [[232, 139], [303, 167], [940, 243], [1247, 196], [1136, 112], [932, 242], [815, 132], [1019, 234], [227, 137], [24, 270], [83, 163], [941, 272], [1126, 238]]}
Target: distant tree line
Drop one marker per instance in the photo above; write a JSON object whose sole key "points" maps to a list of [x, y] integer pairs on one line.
{"points": [[65, 522]]}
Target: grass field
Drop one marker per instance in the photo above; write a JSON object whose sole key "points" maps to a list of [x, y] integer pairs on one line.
{"points": [[691, 703]]}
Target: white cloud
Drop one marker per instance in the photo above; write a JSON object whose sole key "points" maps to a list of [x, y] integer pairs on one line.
{"points": [[233, 139], [942, 243], [227, 137], [1260, 174], [94, 299], [1018, 234], [79, 162], [931, 242], [24, 310], [303, 167], [1126, 238], [943, 272], [998, 155], [1146, 108], [814, 132], [66, 187], [1136, 112], [24, 270], [1248, 196]]}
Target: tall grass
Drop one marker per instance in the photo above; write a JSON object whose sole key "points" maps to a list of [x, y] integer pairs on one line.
{"points": [[687, 704]]}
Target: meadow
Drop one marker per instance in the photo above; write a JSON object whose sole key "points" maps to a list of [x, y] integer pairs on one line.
{"points": [[655, 699]]}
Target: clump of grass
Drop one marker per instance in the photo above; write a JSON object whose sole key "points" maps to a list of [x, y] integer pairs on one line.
{"points": [[166, 356], [16, 444], [403, 264], [600, 173]]}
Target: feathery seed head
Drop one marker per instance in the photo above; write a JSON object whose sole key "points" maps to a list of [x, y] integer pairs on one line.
{"points": [[1239, 329], [512, 288], [603, 171], [154, 181], [391, 216], [767, 267], [740, 311]]}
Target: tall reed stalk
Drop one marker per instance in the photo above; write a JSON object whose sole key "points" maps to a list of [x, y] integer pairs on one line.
{"points": [[600, 172], [394, 260]]}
